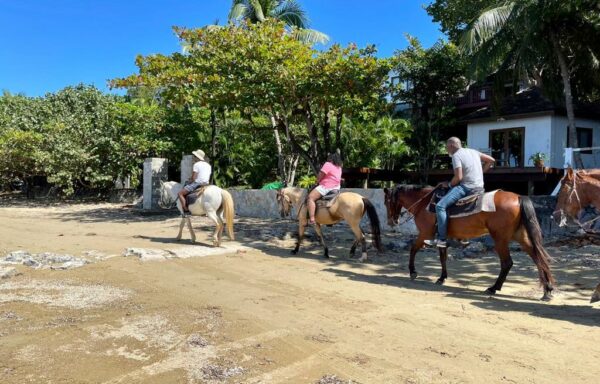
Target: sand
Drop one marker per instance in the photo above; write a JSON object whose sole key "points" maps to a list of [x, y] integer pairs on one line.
{"points": [[252, 313]]}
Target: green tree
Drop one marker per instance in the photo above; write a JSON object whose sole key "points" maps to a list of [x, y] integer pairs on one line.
{"points": [[260, 70], [431, 79], [532, 38], [288, 11]]}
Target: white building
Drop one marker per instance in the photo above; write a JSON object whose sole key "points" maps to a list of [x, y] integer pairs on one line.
{"points": [[528, 124]]}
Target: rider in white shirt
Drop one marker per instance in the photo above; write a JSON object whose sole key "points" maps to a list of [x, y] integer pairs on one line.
{"points": [[200, 177]]}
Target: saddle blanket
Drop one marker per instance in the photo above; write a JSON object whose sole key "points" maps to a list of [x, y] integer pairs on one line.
{"points": [[192, 197], [469, 205]]}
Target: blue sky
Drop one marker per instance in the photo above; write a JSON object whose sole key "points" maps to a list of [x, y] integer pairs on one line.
{"points": [[49, 44]]}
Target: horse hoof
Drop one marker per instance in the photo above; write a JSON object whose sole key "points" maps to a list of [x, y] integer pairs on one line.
{"points": [[490, 291], [440, 281], [547, 297], [413, 275], [294, 252]]}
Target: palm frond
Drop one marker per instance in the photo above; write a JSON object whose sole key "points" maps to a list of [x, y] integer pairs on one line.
{"points": [[486, 26], [258, 10], [238, 10], [310, 36], [292, 13]]}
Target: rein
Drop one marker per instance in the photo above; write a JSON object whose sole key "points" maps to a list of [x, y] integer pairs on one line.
{"points": [[412, 215]]}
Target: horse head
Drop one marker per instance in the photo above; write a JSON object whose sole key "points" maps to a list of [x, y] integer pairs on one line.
{"points": [[284, 202], [568, 203], [393, 206], [167, 199]]}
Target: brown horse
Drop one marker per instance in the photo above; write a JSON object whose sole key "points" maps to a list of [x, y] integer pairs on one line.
{"points": [[349, 206], [514, 219], [578, 190]]}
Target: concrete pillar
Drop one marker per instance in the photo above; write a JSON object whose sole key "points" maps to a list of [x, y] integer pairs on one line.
{"points": [[155, 171], [187, 163]]}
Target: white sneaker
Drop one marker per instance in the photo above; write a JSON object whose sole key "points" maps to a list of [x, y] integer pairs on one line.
{"points": [[436, 243]]}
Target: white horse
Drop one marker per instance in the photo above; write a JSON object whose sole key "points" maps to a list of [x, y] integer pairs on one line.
{"points": [[216, 203]]}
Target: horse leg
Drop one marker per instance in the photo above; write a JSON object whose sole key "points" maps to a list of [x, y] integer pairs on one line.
{"points": [[506, 263], [218, 227], [358, 234], [301, 228], [181, 224], [322, 240], [413, 251], [443, 258], [189, 224], [353, 248]]}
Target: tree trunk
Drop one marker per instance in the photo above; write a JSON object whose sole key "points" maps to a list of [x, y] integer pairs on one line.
{"points": [[213, 136], [292, 171], [566, 78], [281, 170], [326, 129]]}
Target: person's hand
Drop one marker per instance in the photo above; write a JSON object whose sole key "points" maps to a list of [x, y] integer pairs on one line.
{"points": [[443, 184]]}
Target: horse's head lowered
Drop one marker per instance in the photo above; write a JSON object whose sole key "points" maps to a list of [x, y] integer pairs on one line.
{"points": [[569, 203], [284, 203], [393, 206], [167, 199]]}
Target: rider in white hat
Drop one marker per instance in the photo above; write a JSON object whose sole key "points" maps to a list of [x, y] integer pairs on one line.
{"points": [[200, 177]]}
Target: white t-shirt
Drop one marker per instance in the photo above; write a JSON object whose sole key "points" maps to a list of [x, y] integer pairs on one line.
{"points": [[470, 162], [202, 170]]}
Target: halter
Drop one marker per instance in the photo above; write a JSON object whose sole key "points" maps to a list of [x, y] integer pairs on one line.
{"points": [[412, 215], [570, 198]]}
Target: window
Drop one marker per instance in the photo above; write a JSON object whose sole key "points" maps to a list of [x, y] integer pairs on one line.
{"points": [[482, 94], [507, 146], [585, 139]]}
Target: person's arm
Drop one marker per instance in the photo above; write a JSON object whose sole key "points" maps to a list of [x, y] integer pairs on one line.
{"points": [[488, 161], [320, 176], [457, 178]]}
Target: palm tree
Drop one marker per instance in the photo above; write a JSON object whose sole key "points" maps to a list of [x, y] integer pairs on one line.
{"points": [[288, 11], [533, 36]]}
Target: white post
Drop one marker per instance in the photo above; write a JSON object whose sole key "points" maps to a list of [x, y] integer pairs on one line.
{"points": [[187, 163], [155, 171], [568, 158]]}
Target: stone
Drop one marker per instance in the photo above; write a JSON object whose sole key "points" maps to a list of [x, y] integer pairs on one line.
{"points": [[17, 257], [145, 254], [70, 264], [8, 272]]}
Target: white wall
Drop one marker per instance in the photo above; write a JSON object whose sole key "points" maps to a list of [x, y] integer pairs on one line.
{"points": [[559, 141], [537, 135]]}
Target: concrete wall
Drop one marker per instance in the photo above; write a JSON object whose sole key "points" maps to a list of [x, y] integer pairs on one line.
{"points": [[263, 204], [155, 171]]}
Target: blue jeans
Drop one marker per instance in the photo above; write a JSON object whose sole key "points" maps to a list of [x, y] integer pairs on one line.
{"points": [[456, 193]]}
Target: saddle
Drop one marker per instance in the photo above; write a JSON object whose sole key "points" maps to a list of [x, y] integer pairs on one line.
{"points": [[468, 205], [328, 200], [192, 197]]}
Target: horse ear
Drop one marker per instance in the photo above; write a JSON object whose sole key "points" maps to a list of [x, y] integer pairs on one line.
{"points": [[570, 173], [386, 191]]}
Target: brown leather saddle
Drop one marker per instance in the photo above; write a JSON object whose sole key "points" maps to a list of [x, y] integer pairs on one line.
{"points": [[468, 205], [192, 197], [328, 200]]}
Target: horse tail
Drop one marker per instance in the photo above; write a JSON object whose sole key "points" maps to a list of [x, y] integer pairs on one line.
{"points": [[375, 226], [228, 212], [534, 232]]}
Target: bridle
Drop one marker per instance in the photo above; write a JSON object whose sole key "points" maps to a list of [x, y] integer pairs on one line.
{"points": [[285, 203], [412, 214], [573, 192]]}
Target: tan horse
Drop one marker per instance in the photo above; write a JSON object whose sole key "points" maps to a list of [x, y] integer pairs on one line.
{"points": [[349, 206], [578, 190]]}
